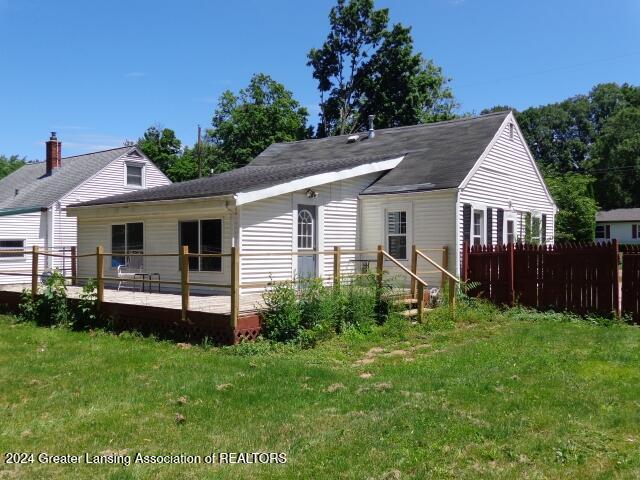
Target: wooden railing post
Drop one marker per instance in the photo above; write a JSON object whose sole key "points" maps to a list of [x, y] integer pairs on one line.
{"points": [[511, 278], [34, 271], [444, 264], [336, 266], [100, 274], [379, 267], [420, 299], [74, 266], [414, 269], [235, 287], [184, 280]]}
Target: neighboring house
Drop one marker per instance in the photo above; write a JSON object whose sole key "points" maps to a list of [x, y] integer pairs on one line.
{"points": [[34, 200], [429, 185], [622, 224]]}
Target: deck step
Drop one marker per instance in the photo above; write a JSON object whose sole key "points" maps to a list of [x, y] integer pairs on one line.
{"points": [[408, 301], [414, 312]]}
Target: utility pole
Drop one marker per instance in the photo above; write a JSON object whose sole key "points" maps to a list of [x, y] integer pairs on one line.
{"points": [[199, 153]]}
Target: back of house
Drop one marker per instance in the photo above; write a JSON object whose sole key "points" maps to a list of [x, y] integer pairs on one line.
{"points": [[34, 201], [431, 186]]}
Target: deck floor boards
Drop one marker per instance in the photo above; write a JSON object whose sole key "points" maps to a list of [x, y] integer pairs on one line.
{"points": [[220, 304]]}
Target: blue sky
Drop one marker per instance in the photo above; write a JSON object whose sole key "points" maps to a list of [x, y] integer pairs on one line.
{"points": [[102, 72]]}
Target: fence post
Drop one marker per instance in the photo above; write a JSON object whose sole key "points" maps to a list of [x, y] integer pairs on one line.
{"points": [[616, 279], [336, 266], [74, 266], [420, 288], [379, 268], [444, 264], [511, 288], [100, 274], [452, 296], [34, 271], [184, 281], [414, 269], [235, 287]]}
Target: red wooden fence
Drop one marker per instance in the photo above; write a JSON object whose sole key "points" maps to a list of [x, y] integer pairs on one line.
{"points": [[631, 281], [581, 278]]}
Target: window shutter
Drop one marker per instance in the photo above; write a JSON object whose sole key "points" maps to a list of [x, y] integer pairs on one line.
{"points": [[634, 231], [489, 226], [543, 233], [500, 226], [466, 222]]}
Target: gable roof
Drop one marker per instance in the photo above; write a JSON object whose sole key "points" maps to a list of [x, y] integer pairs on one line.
{"points": [[434, 156], [619, 215], [36, 189]]}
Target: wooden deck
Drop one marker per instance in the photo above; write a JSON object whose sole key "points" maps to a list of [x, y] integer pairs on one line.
{"points": [[219, 304]]}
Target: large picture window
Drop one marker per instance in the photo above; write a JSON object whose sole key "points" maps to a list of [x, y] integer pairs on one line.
{"points": [[203, 236], [126, 238], [7, 245], [397, 234]]}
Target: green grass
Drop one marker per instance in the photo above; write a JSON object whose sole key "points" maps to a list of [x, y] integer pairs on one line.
{"points": [[521, 396]]}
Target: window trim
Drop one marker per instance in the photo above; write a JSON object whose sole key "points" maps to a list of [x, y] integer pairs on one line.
{"points": [[397, 209], [607, 230], [144, 241], [20, 259], [483, 225], [199, 221], [143, 174]]}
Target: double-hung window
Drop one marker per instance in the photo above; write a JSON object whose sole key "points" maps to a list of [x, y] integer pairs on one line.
{"points": [[7, 245], [203, 236], [126, 238], [477, 227], [635, 231], [535, 229], [511, 231], [397, 234], [603, 232], [134, 174]]}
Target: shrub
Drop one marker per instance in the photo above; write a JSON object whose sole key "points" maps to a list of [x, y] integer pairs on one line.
{"points": [[87, 311], [282, 316]]}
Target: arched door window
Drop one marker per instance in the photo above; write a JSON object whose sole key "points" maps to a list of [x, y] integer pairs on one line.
{"points": [[305, 229]]}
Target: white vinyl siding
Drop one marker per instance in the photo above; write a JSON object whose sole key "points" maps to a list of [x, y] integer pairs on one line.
{"points": [[507, 179], [30, 227], [620, 231], [430, 225], [161, 234]]}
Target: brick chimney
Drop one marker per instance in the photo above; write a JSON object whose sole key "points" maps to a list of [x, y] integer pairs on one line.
{"points": [[54, 154]]}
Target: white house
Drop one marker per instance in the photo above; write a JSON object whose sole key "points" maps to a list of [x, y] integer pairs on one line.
{"points": [[622, 224], [429, 185], [34, 200]]}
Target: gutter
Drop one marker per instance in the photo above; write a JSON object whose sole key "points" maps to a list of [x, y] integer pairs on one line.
{"points": [[151, 202], [18, 211]]}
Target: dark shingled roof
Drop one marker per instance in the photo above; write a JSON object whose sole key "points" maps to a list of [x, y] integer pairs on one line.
{"points": [[436, 156], [36, 189], [619, 215]]}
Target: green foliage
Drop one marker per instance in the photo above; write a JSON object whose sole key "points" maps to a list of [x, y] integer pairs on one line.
{"points": [[364, 67], [51, 306], [246, 123], [576, 218], [161, 146], [310, 311], [10, 164]]}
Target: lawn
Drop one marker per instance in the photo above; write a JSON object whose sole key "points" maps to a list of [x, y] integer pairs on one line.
{"points": [[517, 397]]}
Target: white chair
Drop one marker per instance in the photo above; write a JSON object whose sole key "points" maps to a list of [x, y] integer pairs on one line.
{"points": [[131, 268]]}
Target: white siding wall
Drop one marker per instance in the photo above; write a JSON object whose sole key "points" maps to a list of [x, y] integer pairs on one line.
{"points": [[271, 225], [508, 174], [160, 236], [31, 227], [430, 224], [109, 181], [621, 231]]}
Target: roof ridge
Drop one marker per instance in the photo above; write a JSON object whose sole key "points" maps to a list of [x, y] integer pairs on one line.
{"points": [[403, 127], [39, 162]]}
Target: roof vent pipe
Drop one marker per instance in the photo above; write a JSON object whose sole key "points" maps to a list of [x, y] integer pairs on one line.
{"points": [[372, 132]]}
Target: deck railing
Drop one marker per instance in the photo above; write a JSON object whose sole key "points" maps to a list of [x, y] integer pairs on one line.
{"points": [[418, 284]]}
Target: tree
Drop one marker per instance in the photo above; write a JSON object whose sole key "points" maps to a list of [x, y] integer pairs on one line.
{"points": [[10, 164], [615, 159], [364, 68], [161, 146], [246, 123], [573, 193]]}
